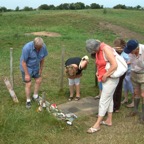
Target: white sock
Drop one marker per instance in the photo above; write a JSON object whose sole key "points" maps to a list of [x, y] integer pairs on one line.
{"points": [[35, 96], [28, 100]]}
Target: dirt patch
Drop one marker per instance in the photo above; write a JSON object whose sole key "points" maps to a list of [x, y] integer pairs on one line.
{"points": [[44, 33], [121, 32]]}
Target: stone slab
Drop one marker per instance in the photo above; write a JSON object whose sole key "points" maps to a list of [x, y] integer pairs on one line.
{"points": [[83, 107]]}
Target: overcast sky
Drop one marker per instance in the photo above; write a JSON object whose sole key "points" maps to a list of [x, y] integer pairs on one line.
{"points": [[12, 4]]}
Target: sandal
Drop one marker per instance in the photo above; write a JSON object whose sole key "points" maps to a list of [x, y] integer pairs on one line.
{"points": [[70, 98], [124, 101], [92, 130], [104, 123], [97, 97], [77, 98], [130, 105]]}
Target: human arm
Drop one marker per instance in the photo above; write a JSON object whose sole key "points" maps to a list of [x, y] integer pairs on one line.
{"points": [[41, 66], [109, 55], [129, 63], [118, 49], [27, 76], [44, 54]]}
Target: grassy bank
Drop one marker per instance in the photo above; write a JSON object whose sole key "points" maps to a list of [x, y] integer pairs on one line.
{"points": [[21, 126]]}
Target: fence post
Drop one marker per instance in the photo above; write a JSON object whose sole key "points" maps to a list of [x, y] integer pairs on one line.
{"points": [[62, 68], [11, 66]]}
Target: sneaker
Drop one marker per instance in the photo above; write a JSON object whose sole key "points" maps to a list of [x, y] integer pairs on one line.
{"points": [[130, 105], [28, 105], [36, 99]]}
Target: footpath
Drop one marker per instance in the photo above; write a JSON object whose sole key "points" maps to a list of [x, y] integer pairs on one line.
{"points": [[83, 107]]}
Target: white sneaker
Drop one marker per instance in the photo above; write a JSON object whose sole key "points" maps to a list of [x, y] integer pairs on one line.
{"points": [[37, 100], [28, 105]]}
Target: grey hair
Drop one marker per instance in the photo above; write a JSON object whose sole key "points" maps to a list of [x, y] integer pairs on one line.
{"points": [[38, 41], [92, 45]]}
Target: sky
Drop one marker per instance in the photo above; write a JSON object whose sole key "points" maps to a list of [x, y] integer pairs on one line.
{"points": [[12, 4]]}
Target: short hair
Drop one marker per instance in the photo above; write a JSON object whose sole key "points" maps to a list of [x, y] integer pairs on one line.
{"points": [[119, 42], [70, 70], [92, 45], [38, 41]]}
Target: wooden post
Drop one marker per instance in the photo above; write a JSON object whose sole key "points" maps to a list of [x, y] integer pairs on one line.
{"points": [[11, 67], [62, 69]]}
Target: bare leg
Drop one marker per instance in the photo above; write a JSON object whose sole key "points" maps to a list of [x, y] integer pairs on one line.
{"points": [[28, 90], [132, 103], [77, 90], [107, 122], [97, 124], [125, 98], [109, 119], [37, 85], [71, 89]]}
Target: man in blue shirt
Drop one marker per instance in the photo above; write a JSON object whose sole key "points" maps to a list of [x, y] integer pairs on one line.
{"points": [[31, 66]]}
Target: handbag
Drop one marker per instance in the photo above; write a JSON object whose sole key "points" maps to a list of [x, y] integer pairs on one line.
{"points": [[121, 68]]}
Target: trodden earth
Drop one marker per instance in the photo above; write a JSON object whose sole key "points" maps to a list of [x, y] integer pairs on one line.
{"points": [[118, 30]]}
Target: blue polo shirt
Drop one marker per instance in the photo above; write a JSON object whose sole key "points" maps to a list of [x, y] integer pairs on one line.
{"points": [[127, 59], [32, 57]]}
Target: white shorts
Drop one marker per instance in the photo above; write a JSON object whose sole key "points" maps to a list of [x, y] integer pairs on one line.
{"points": [[75, 81]]}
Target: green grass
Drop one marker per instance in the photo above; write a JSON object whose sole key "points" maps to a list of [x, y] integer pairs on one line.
{"points": [[21, 126]]}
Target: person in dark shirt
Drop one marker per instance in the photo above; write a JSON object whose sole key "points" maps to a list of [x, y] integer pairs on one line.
{"points": [[73, 69], [119, 45]]}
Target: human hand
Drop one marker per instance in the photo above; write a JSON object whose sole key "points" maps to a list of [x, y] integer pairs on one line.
{"points": [[27, 77], [104, 78], [97, 74], [40, 71]]}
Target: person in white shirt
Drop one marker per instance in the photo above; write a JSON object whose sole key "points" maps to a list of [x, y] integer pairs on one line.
{"points": [[136, 54]]}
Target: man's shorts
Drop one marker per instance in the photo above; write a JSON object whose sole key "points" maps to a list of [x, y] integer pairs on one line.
{"points": [[137, 80], [34, 74]]}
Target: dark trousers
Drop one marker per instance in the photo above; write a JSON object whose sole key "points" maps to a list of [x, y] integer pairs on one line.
{"points": [[118, 94]]}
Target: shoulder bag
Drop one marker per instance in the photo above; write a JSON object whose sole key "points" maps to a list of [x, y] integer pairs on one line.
{"points": [[122, 66]]}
